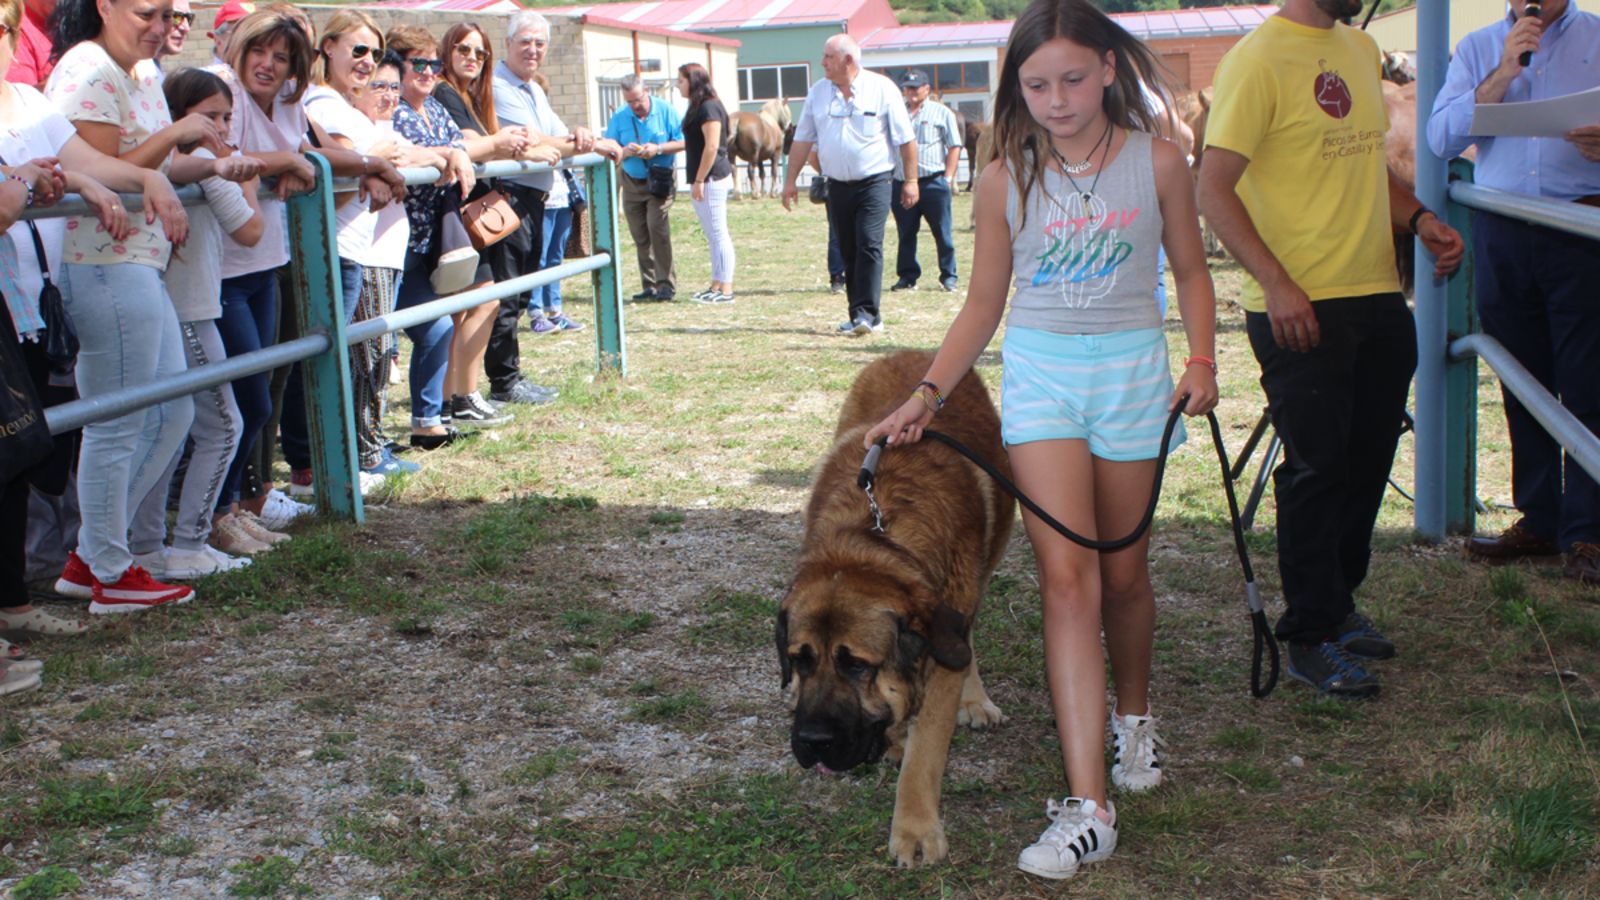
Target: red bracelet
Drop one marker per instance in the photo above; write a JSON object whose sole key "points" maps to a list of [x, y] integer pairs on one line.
{"points": [[1201, 359]]}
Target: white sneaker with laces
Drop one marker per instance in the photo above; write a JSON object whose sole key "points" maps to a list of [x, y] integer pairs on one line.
{"points": [[207, 560], [280, 510], [1137, 763], [1075, 836], [154, 563]]}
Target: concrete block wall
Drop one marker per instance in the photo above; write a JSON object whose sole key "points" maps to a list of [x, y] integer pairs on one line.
{"points": [[1204, 54]]}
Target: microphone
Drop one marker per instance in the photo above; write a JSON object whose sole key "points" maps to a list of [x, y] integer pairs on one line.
{"points": [[1532, 9]]}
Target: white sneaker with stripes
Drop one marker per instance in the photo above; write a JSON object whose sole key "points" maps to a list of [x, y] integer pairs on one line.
{"points": [[1136, 764], [1075, 836]]}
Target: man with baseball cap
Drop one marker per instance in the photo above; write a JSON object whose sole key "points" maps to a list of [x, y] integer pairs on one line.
{"points": [[222, 26], [938, 151]]}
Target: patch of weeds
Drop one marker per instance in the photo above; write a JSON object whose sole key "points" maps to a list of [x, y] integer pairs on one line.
{"points": [[686, 707], [1250, 777], [124, 806], [649, 687], [1324, 711], [1179, 810], [1248, 737], [258, 627], [47, 884], [1432, 791], [329, 754], [598, 629], [266, 877], [1507, 584], [392, 778], [540, 767], [335, 738], [734, 619], [94, 712], [413, 627], [1544, 828], [666, 518], [588, 665], [182, 845], [12, 734], [215, 787], [328, 705]]}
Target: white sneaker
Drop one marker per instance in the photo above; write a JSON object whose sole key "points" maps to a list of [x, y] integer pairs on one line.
{"points": [[154, 563], [1075, 836], [280, 510], [205, 561], [1137, 763]]}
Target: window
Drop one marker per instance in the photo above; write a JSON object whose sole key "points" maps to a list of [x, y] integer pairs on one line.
{"points": [[769, 82], [946, 76]]}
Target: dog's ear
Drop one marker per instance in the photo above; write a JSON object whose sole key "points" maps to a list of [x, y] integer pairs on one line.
{"points": [[909, 647], [947, 638], [782, 638]]}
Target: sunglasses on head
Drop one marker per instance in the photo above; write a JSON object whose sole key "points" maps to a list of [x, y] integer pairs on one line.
{"points": [[420, 65], [467, 50], [183, 18]]}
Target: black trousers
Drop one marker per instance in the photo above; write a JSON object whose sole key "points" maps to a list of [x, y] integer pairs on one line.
{"points": [[49, 476], [1536, 295], [518, 254], [857, 211], [1339, 410]]}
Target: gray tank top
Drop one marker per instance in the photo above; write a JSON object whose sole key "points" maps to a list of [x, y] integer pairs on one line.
{"points": [[1089, 268]]}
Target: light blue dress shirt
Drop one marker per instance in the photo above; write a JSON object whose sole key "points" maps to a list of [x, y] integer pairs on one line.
{"points": [[662, 126], [1567, 61], [518, 102]]}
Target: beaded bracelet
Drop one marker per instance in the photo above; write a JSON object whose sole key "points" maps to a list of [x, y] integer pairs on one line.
{"points": [[938, 398], [1201, 359], [25, 183]]}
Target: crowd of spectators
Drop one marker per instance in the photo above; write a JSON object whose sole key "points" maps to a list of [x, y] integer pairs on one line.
{"points": [[88, 108]]}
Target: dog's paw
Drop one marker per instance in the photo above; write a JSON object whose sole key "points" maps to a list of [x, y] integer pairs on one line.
{"points": [[980, 714], [922, 844]]}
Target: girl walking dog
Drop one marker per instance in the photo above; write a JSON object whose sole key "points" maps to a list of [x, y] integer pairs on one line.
{"points": [[1072, 213]]}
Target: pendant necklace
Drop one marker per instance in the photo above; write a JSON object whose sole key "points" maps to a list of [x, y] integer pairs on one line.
{"points": [[1071, 169]]}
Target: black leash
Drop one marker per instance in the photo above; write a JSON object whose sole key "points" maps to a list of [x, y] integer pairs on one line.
{"points": [[1258, 618]]}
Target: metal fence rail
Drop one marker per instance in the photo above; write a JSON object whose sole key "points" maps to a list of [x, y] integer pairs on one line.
{"points": [[1578, 441], [317, 297]]}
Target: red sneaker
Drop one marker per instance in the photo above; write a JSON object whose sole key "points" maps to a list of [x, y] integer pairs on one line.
{"points": [[76, 580], [136, 590]]}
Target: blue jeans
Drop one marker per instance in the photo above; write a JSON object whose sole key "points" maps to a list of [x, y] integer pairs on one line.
{"points": [[835, 258], [430, 350], [249, 319], [933, 205], [557, 226], [292, 426], [130, 337]]}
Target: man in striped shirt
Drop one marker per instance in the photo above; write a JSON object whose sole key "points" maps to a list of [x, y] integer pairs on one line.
{"points": [[938, 151]]}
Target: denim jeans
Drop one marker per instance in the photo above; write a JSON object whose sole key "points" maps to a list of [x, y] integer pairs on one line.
{"points": [[430, 351], [130, 337], [293, 428], [249, 319], [933, 205], [557, 226]]}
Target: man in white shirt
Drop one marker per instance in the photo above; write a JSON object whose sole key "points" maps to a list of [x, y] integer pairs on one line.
{"points": [[857, 121]]}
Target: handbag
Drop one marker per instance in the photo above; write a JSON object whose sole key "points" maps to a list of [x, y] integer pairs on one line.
{"points": [[819, 190], [659, 181], [60, 334], [576, 198], [24, 436], [489, 220], [458, 261]]}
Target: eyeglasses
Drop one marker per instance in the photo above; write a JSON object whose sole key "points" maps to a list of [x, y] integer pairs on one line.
{"points": [[420, 65], [360, 51], [183, 18], [385, 87], [840, 108], [467, 50]]}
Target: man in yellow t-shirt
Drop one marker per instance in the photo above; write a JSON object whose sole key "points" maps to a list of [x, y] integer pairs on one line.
{"points": [[1295, 183]]}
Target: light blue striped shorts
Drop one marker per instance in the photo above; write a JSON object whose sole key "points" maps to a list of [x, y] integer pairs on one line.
{"points": [[1109, 389]]}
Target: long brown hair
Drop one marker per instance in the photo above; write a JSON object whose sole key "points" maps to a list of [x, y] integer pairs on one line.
{"points": [[263, 28], [480, 93], [700, 89], [1018, 137]]}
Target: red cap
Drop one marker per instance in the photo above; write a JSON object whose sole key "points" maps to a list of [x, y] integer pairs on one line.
{"points": [[231, 11]]}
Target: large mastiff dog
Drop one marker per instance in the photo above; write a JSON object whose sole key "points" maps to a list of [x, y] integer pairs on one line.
{"points": [[877, 627]]}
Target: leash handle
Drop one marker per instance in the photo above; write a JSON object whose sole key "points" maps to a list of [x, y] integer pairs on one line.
{"points": [[1261, 635], [869, 466]]}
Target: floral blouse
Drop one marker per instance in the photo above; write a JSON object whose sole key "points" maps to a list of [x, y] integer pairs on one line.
{"points": [[87, 86], [433, 127]]}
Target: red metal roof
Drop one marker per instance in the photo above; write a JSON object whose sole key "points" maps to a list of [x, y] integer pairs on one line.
{"points": [[592, 19], [720, 15], [1216, 20], [508, 6], [908, 37]]}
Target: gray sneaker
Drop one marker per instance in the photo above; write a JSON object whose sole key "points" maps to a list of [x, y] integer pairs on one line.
{"points": [[525, 392], [474, 410]]}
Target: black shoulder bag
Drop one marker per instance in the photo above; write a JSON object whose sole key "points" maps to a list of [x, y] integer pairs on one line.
{"points": [[660, 181], [24, 437], [60, 335]]}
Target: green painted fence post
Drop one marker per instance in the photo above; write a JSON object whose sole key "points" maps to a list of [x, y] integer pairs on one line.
{"points": [[319, 303], [1461, 380], [610, 349]]}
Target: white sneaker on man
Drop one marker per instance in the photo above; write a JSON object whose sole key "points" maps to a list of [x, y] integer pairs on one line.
{"points": [[205, 561], [1136, 764], [1075, 836]]}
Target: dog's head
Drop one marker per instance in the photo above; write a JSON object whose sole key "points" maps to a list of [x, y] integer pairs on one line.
{"points": [[858, 643]]}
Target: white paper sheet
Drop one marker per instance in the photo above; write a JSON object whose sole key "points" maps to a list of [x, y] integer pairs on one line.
{"points": [[1537, 118]]}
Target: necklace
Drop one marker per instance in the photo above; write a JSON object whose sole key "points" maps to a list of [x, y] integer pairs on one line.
{"points": [[1071, 169]]}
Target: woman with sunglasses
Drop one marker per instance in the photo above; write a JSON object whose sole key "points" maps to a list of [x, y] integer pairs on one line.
{"points": [[423, 121], [268, 52], [349, 49], [466, 91]]}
